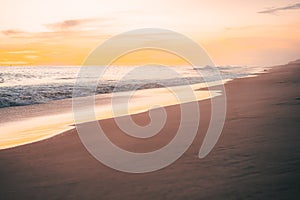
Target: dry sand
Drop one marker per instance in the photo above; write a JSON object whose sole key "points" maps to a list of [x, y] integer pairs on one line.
{"points": [[256, 157]]}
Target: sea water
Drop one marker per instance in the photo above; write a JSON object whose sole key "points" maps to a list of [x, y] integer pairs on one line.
{"points": [[36, 102], [27, 85]]}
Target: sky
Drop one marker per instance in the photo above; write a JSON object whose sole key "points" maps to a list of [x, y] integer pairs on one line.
{"points": [[233, 32]]}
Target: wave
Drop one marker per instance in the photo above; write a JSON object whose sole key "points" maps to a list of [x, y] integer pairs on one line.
{"points": [[37, 94], [21, 86]]}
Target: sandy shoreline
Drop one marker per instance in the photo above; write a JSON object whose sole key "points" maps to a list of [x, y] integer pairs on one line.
{"points": [[257, 156], [26, 124]]}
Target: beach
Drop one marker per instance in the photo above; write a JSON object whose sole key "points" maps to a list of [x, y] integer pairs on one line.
{"points": [[256, 157]]}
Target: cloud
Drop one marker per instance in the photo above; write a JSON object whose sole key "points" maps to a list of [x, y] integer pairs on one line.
{"points": [[274, 10], [22, 52], [13, 63], [11, 32], [77, 24]]}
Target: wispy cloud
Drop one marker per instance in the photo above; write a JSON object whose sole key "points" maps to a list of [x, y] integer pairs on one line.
{"points": [[13, 63], [11, 32], [22, 52], [284, 8], [72, 24]]}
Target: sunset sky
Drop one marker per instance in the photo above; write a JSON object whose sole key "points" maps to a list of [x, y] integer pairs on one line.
{"points": [[57, 32]]}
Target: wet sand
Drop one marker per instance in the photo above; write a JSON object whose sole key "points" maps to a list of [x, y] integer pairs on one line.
{"points": [[26, 124], [256, 157]]}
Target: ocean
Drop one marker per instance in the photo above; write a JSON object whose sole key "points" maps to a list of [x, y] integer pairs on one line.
{"points": [[27, 85], [36, 101]]}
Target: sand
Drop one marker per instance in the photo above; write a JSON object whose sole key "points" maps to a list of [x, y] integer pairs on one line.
{"points": [[256, 157], [26, 124]]}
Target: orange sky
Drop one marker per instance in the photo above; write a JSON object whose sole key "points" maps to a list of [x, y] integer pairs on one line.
{"points": [[56, 32]]}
